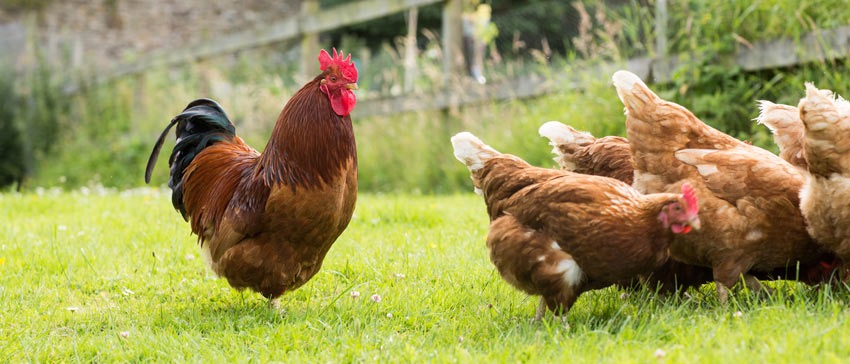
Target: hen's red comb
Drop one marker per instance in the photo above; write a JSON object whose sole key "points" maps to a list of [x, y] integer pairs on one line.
{"points": [[345, 66], [690, 197]]}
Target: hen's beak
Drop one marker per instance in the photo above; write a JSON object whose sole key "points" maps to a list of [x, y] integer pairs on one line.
{"points": [[695, 223], [351, 86]]}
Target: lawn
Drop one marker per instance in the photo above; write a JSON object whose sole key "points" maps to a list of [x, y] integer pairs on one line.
{"points": [[105, 276]]}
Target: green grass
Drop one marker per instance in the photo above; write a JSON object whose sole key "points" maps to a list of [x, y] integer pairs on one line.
{"points": [[102, 276]]}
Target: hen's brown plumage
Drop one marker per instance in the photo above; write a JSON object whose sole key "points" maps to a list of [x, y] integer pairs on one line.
{"points": [[787, 128], [826, 195], [611, 156], [268, 219], [557, 234], [581, 152], [749, 197]]}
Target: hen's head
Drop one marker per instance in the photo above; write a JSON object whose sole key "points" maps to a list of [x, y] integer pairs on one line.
{"points": [[683, 215], [339, 77]]}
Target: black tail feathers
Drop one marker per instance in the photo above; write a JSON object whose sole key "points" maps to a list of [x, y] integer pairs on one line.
{"points": [[202, 123]]}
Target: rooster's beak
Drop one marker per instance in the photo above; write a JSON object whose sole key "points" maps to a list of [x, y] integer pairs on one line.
{"points": [[351, 86], [695, 223]]}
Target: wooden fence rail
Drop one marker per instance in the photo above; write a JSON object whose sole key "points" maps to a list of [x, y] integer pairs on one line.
{"points": [[817, 46], [310, 21]]}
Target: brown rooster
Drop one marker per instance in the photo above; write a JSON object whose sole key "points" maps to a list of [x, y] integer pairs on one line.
{"points": [[611, 156], [749, 197], [266, 220], [557, 233]]}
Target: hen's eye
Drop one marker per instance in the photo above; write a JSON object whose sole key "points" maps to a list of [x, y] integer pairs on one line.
{"points": [[677, 208], [333, 78]]}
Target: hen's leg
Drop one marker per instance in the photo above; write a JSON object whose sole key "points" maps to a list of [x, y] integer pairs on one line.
{"points": [[541, 309], [725, 276]]}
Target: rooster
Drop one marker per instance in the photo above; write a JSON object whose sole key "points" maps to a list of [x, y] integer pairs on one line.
{"points": [[749, 196], [825, 196], [557, 233], [611, 156], [266, 220]]}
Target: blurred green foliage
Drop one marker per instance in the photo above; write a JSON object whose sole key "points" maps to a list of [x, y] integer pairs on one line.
{"points": [[103, 134]]}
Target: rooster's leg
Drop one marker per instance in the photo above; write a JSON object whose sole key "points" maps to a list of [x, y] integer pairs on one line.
{"points": [[274, 303], [722, 293], [541, 310]]}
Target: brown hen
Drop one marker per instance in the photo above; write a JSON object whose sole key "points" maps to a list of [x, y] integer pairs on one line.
{"points": [[749, 197], [557, 233]]}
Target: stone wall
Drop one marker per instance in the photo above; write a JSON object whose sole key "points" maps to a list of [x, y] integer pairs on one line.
{"points": [[88, 34]]}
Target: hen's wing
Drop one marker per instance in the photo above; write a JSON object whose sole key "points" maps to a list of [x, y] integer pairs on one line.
{"points": [[787, 128], [737, 173]]}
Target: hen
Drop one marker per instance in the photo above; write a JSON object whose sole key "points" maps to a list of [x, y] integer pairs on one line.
{"points": [[611, 156], [749, 197], [557, 234], [826, 195], [266, 220]]}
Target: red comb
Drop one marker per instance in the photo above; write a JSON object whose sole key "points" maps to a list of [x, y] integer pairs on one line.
{"points": [[690, 197], [345, 66]]}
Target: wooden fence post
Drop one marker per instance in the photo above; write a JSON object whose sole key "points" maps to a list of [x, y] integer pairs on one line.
{"points": [[452, 40], [662, 71], [309, 43], [410, 49]]}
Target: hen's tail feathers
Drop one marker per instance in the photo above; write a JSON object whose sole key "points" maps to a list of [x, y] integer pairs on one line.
{"points": [[202, 123], [632, 91], [471, 151], [564, 140], [561, 134], [777, 117], [787, 128]]}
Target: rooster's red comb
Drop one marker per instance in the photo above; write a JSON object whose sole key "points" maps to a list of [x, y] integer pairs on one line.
{"points": [[690, 197], [345, 66]]}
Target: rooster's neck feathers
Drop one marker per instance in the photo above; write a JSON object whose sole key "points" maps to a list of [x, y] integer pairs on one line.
{"points": [[310, 144]]}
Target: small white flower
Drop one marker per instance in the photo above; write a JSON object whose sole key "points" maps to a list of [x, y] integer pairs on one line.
{"points": [[61, 228], [355, 294], [738, 314], [190, 257], [124, 334], [389, 315], [73, 308], [376, 298], [399, 276], [659, 354], [127, 292]]}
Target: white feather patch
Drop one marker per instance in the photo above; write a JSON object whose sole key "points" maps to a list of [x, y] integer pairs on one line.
{"points": [[571, 271], [706, 169]]}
